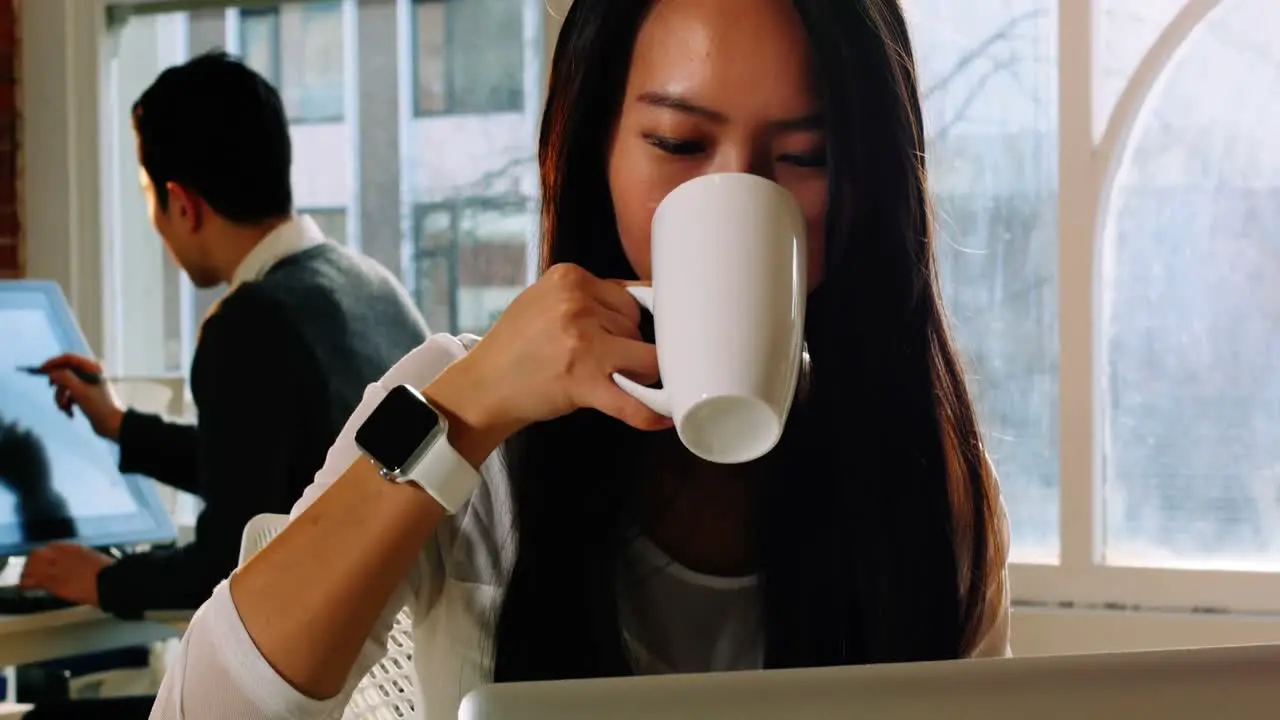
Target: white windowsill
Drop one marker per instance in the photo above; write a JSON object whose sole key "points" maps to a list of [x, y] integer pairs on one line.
{"points": [[1046, 631]]}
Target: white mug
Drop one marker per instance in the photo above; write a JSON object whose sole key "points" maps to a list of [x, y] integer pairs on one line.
{"points": [[728, 302]]}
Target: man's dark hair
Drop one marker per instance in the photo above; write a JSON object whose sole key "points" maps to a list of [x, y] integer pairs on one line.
{"points": [[219, 129]]}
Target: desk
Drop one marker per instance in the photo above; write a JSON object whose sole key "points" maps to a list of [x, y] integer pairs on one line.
{"points": [[13, 711], [38, 637]]}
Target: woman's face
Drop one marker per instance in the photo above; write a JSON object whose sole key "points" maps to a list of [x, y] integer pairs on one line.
{"points": [[718, 86]]}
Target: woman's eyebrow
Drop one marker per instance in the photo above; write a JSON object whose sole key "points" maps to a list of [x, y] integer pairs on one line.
{"points": [[682, 104]]}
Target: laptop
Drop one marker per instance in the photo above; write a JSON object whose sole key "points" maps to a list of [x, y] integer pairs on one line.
{"points": [[1230, 683]]}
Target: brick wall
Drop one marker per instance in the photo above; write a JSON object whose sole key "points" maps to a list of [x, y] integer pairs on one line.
{"points": [[11, 260]]}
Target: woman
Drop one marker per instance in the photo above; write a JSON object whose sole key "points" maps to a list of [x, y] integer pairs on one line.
{"points": [[873, 533]]}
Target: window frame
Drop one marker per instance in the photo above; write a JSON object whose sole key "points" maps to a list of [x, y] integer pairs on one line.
{"points": [[1087, 172], [276, 78], [63, 176], [454, 210], [328, 211], [273, 39], [415, 70]]}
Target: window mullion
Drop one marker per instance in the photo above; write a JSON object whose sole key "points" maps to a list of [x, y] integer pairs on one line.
{"points": [[1077, 210]]}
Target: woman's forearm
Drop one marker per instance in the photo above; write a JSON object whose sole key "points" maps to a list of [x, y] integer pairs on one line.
{"points": [[311, 597]]}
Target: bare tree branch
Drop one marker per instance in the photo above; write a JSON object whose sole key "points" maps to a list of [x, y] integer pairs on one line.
{"points": [[1004, 32], [971, 97], [483, 185]]}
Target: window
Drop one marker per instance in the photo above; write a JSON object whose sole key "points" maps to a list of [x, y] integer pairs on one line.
{"points": [[491, 81], [1191, 323], [989, 87], [1106, 259], [298, 48], [470, 259], [260, 42], [374, 179], [331, 221]]}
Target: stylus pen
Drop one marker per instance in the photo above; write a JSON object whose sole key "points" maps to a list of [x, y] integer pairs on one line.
{"points": [[85, 376]]}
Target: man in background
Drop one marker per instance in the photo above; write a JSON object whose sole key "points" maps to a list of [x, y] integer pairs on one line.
{"points": [[281, 360]]}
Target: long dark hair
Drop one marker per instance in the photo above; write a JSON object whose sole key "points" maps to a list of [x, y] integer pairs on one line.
{"points": [[880, 538]]}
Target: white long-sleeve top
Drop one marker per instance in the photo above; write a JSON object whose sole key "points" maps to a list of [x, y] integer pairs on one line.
{"points": [[673, 618]]}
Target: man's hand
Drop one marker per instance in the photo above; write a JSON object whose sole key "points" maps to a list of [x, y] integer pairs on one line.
{"points": [[98, 402], [66, 570]]}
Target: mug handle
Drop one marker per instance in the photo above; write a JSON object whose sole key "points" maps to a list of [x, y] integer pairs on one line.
{"points": [[654, 398]]}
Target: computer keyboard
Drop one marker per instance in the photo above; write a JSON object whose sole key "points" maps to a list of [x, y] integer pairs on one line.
{"points": [[16, 601]]}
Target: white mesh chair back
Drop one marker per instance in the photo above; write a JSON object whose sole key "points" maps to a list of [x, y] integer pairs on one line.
{"points": [[386, 693], [259, 531]]}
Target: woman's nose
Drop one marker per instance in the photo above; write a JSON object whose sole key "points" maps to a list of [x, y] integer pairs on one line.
{"points": [[747, 160]]}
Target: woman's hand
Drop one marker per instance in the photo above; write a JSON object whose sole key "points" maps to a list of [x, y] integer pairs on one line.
{"points": [[551, 352]]}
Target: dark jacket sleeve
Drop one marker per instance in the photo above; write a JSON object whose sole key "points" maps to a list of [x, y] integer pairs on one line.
{"points": [[245, 384], [155, 447]]}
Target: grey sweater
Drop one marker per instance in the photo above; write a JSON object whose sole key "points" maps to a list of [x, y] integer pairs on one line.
{"points": [[279, 366]]}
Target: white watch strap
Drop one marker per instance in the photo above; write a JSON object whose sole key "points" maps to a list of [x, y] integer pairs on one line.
{"points": [[445, 475]]}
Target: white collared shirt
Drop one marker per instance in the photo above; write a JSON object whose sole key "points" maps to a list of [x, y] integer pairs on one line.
{"points": [[290, 237]]}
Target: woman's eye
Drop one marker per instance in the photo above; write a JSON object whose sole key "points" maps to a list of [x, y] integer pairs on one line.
{"points": [[673, 146], [812, 160]]}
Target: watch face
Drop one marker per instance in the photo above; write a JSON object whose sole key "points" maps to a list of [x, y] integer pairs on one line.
{"points": [[396, 428]]}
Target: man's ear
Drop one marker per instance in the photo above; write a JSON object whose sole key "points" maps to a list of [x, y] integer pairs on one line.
{"points": [[185, 206]]}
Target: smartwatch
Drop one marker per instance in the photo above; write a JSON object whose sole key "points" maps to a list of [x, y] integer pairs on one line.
{"points": [[409, 442]]}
